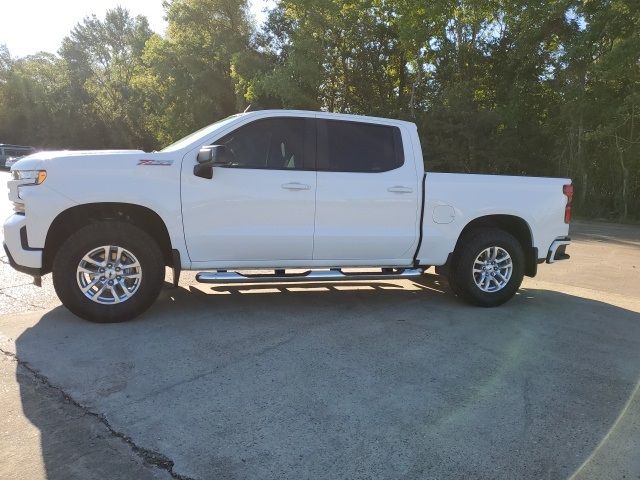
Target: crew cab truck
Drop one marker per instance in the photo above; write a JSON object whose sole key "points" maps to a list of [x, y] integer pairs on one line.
{"points": [[272, 191]]}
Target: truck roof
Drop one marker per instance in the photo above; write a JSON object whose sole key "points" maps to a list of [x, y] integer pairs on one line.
{"points": [[338, 116]]}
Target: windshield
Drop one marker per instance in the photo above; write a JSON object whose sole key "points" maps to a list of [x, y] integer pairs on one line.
{"points": [[186, 141]]}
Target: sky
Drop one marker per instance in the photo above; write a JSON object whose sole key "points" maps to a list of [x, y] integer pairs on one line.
{"points": [[30, 26]]}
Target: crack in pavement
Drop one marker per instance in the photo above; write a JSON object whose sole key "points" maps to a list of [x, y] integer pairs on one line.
{"points": [[29, 304], [235, 360], [14, 286], [150, 457]]}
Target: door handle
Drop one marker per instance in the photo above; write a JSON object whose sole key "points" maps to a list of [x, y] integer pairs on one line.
{"points": [[400, 189], [296, 186]]}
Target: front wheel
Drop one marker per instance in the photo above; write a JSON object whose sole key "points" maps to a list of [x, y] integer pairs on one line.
{"points": [[108, 272], [487, 268]]}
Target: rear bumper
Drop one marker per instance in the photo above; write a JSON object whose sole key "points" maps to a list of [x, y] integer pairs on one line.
{"points": [[21, 257], [557, 250]]}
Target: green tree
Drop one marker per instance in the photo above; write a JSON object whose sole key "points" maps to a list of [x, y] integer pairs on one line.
{"points": [[338, 55], [101, 57], [497, 86], [33, 100], [187, 80]]}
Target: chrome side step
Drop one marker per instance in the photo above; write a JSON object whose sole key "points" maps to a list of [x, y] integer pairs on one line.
{"points": [[308, 276]]}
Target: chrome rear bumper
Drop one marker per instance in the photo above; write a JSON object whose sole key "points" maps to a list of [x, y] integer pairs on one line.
{"points": [[557, 250]]}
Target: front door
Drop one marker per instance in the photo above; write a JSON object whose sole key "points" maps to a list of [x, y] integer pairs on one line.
{"points": [[261, 208]]}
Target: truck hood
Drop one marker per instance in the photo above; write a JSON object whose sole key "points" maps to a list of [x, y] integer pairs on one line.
{"points": [[42, 160]]}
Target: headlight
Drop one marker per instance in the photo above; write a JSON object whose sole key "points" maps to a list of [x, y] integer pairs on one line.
{"points": [[34, 177]]}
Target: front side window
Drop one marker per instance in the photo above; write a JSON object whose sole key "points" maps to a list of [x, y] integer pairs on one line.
{"points": [[189, 139], [358, 147], [274, 143]]}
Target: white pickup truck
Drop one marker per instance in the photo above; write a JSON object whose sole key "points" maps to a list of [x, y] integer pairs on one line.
{"points": [[275, 190]]}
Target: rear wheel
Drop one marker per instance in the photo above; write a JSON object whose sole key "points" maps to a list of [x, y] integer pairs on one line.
{"points": [[487, 268], [108, 272]]}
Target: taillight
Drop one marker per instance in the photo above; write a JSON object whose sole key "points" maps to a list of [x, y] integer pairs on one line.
{"points": [[568, 191]]}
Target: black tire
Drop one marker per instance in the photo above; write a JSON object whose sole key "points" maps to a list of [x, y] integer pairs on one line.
{"points": [[461, 279], [92, 236]]}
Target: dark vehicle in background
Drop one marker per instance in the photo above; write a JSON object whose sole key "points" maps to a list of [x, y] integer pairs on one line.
{"points": [[10, 153]]}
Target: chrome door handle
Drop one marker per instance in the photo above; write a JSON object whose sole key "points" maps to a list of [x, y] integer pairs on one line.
{"points": [[296, 186], [400, 189]]}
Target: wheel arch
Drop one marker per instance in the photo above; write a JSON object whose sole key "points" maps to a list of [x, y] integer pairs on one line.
{"points": [[514, 225], [73, 218]]}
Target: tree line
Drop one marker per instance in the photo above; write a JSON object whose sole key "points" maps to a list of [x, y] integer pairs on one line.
{"points": [[495, 86]]}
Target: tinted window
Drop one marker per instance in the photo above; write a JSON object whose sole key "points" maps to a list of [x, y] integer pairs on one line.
{"points": [[358, 147], [15, 152], [274, 143]]}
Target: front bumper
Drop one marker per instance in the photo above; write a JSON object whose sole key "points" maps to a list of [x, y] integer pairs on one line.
{"points": [[557, 250], [16, 244]]}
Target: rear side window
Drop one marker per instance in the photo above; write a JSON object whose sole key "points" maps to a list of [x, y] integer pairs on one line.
{"points": [[358, 147]]}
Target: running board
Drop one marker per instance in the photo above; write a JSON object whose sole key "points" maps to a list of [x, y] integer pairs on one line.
{"points": [[308, 276]]}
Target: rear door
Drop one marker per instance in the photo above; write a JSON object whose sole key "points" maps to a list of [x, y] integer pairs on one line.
{"points": [[368, 194]]}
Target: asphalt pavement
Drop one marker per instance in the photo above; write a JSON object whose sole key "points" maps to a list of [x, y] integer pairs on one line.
{"points": [[365, 380]]}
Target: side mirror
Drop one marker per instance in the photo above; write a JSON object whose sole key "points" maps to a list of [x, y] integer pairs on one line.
{"points": [[203, 170], [217, 155], [209, 157], [205, 155]]}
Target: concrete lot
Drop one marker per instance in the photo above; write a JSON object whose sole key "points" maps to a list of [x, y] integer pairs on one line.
{"points": [[377, 380]]}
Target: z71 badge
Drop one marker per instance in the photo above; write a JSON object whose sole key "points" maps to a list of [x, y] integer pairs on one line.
{"points": [[161, 163]]}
